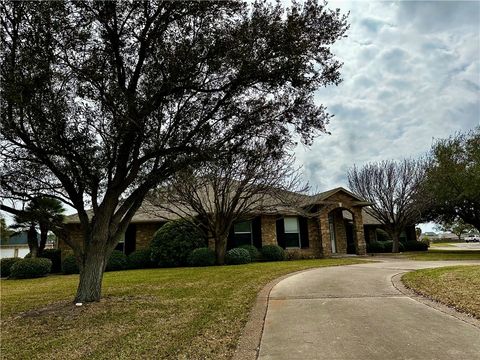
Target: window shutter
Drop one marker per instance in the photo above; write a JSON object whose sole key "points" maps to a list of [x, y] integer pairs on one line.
{"points": [[280, 233], [257, 232], [303, 222], [130, 239]]}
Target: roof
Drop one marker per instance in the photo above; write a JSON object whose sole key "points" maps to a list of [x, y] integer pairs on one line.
{"points": [[19, 238], [148, 212]]}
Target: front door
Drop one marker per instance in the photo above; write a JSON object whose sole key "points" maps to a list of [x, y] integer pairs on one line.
{"points": [[350, 238]]}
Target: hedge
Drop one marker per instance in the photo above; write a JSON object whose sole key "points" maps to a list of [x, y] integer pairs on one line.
{"points": [[69, 265], [6, 265], [202, 257], [273, 253], [237, 256], [117, 261], [31, 268], [253, 251], [139, 259]]}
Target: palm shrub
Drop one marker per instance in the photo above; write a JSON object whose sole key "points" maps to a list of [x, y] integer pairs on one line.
{"points": [[202, 257], [173, 243], [237, 256], [30, 268]]}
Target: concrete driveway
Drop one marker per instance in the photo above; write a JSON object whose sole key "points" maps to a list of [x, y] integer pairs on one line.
{"points": [[355, 312]]}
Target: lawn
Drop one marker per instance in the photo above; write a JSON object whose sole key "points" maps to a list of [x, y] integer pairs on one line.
{"points": [[433, 254], [456, 286], [183, 313], [441, 244]]}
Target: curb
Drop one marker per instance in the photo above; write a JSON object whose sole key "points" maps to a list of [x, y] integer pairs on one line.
{"points": [[398, 284]]}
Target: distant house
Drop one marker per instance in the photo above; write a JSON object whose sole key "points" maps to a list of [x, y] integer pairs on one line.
{"points": [[16, 245], [332, 222]]}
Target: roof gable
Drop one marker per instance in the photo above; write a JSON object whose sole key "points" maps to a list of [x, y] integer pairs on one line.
{"points": [[327, 194]]}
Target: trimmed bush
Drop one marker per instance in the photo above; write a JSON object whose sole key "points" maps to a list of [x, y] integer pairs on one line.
{"points": [[117, 261], [202, 257], [55, 255], [416, 246], [139, 259], [6, 265], [273, 253], [375, 247], [69, 265], [253, 251], [237, 256], [173, 243], [31, 268]]}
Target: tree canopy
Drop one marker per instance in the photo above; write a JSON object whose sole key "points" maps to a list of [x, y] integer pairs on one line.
{"points": [[452, 185], [393, 189], [105, 100]]}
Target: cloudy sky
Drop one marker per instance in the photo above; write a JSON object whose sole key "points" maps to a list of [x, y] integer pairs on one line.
{"points": [[411, 74]]}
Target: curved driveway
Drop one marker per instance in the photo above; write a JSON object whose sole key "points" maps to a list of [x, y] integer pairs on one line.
{"points": [[354, 312]]}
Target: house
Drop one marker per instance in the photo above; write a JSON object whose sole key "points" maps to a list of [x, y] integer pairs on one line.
{"points": [[332, 222], [16, 245]]}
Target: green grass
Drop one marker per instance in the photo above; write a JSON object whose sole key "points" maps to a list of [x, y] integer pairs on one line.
{"points": [[441, 244], [183, 313], [456, 286], [433, 255]]}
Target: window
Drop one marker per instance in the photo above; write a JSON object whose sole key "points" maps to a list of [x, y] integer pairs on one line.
{"points": [[121, 244], [292, 232], [243, 233]]}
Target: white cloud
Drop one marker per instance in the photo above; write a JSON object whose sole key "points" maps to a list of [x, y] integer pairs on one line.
{"points": [[411, 73]]}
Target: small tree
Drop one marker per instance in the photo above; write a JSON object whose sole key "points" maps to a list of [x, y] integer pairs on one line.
{"points": [[257, 178], [44, 212], [457, 227], [452, 184], [392, 188]]}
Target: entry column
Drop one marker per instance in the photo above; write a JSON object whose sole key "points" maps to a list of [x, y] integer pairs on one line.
{"points": [[360, 244]]}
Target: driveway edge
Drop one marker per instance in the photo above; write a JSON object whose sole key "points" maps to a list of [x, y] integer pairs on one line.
{"points": [[400, 286], [248, 345]]}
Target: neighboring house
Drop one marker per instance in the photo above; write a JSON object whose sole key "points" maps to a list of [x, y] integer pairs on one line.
{"points": [[16, 245], [332, 222]]}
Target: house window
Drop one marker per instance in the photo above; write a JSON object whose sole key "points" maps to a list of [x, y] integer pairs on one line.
{"points": [[243, 233], [292, 232], [121, 244]]}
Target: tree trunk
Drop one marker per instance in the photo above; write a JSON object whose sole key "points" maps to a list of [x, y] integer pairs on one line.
{"points": [[91, 276], [43, 237], [396, 243], [32, 241], [220, 248]]}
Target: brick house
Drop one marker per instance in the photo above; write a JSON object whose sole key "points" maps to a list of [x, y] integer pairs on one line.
{"points": [[331, 222]]}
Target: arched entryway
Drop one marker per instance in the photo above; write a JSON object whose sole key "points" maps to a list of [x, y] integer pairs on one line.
{"points": [[342, 231]]}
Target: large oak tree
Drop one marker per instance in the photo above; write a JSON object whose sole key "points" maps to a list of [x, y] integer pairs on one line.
{"points": [[102, 101]]}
